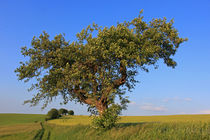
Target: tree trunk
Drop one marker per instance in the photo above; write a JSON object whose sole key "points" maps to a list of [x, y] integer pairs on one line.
{"points": [[101, 107]]}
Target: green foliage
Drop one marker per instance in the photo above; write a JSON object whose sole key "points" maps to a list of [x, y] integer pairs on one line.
{"points": [[101, 65], [108, 119], [52, 114], [62, 111], [71, 112]]}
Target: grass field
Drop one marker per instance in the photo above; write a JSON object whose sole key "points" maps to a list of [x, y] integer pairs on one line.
{"points": [[11, 119], [175, 127], [19, 126]]}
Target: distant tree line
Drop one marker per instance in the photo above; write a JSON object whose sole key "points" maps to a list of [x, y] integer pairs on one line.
{"points": [[54, 113]]}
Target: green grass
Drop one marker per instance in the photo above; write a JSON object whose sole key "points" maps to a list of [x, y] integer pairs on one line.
{"points": [[141, 131], [12, 119], [175, 127], [19, 131]]}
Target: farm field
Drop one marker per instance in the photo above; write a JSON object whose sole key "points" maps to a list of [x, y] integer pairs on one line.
{"points": [[174, 127]]}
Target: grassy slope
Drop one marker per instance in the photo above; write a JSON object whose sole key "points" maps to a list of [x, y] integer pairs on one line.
{"points": [[176, 127], [12, 119]]}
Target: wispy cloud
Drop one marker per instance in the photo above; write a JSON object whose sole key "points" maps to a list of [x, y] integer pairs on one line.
{"points": [[150, 107], [187, 99], [176, 99], [181, 113], [132, 103], [205, 111]]}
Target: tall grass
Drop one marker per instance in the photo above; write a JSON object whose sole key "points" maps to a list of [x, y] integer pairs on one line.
{"points": [[138, 131]]}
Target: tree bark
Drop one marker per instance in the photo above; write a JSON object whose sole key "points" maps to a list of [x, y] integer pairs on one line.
{"points": [[101, 107]]}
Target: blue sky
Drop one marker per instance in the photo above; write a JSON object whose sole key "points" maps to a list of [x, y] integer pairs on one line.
{"points": [[183, 90]]}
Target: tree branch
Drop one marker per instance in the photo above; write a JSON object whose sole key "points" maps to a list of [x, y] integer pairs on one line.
{"points": [[80, 93], [116, 83], [122, 80]]}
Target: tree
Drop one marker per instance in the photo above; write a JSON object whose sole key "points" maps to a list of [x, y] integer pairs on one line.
{"points": [[63, 111], [71, 112], [101, 65], [52, 114]]}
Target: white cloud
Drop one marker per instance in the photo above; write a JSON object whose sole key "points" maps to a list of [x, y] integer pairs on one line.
{"points": [[205, 111], [150, 107]]}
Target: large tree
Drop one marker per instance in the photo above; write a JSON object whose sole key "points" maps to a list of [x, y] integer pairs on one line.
{"points": [[100, 65]]}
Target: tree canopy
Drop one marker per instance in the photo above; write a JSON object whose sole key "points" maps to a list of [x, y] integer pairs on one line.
{"points": [[62, 111], [52, 114], [100, 65], [71, 112]]}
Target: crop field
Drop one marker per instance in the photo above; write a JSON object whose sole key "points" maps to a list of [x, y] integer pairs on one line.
{"points": [[174, 127]]}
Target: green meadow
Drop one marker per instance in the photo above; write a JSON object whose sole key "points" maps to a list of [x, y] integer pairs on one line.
{"points": [[13, 119], [173, 127]]}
